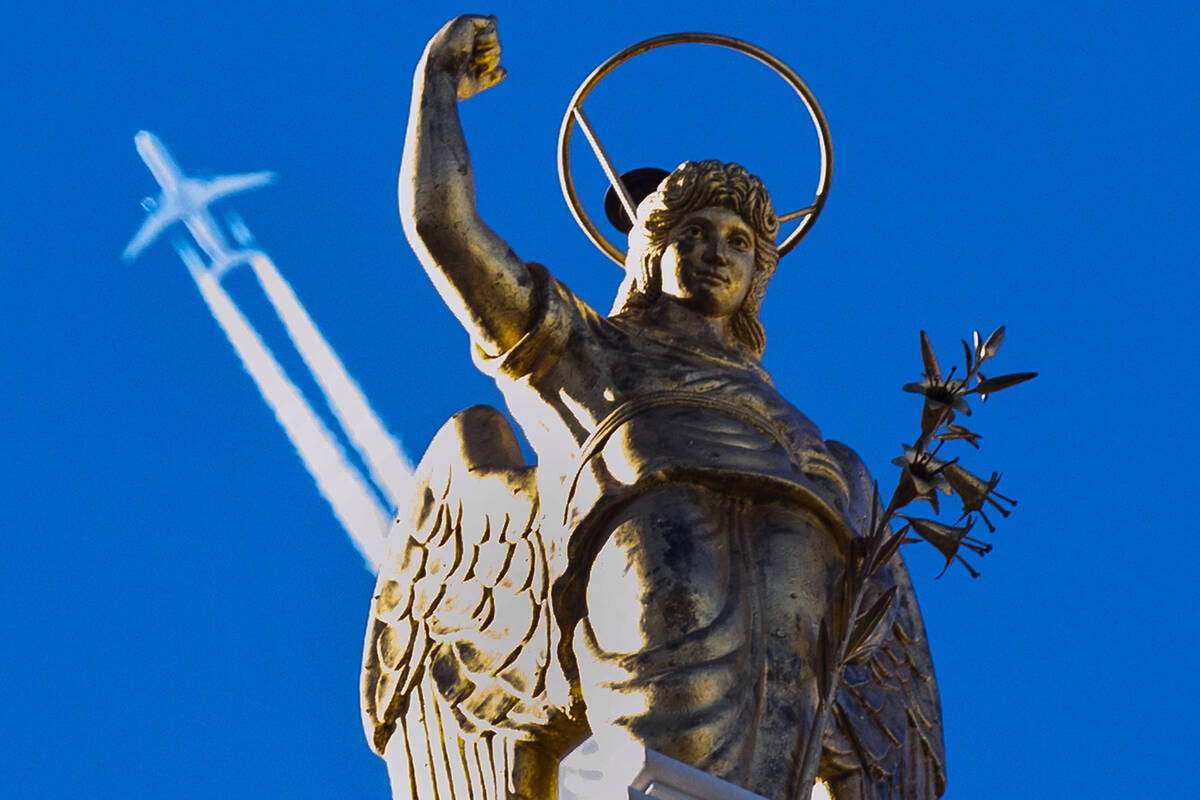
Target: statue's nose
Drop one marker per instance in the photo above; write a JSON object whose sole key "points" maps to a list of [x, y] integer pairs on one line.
{"points": [[715, 250]]}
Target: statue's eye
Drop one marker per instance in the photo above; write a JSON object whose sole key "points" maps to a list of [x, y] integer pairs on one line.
{"points": [[739, 242], [691, 232]]}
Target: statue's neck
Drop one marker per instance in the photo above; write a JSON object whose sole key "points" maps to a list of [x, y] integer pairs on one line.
{"points": [[670, 319]]}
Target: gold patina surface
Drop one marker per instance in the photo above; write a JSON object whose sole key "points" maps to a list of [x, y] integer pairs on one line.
{"points": [[672, 565]]}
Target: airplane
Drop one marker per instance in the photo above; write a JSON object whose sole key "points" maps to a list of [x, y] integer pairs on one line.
{"points": [[186, 199]]}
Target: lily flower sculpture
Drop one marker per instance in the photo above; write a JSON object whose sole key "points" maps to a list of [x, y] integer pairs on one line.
{"points": [[923, 474]]}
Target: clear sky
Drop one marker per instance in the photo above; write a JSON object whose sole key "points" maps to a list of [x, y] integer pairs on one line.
{"points": [[184, 614]]}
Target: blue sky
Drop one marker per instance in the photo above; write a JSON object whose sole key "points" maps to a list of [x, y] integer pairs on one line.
{"points": [[185, 616]]}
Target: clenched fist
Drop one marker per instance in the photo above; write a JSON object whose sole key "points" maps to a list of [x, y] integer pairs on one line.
{"points": [[468, 49]]}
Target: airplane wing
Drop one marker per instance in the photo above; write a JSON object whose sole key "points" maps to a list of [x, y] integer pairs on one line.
{"points": [[156, 223], [210, 191], [191, 197]]}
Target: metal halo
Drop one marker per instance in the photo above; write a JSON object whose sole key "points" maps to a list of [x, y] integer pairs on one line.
{"points": [[809, 215]]}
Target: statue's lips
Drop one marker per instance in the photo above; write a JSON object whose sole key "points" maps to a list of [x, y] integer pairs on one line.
{"points": [[712, 276]]}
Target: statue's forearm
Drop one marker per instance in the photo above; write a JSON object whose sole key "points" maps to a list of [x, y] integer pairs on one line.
{"points": [[437, 185]]}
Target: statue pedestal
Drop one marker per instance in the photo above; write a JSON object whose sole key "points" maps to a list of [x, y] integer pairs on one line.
{"points": [[619, 765]]}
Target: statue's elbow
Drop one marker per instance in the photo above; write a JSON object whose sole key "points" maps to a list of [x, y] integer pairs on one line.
{"points": [[434, 233]]}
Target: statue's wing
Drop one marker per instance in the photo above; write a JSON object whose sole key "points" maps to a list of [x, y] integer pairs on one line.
{"points": [[886, 740], [458, 641]]}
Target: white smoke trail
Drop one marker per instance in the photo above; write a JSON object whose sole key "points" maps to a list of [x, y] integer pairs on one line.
{"points": [[337, 479], [389, 469]]}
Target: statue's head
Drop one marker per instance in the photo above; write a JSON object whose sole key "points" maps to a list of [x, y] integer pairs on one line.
{"points": [[691, 189]]}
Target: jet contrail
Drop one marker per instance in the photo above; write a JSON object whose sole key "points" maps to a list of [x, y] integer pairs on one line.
{"points": [[187, 200], [337, 479], [389, 470]]}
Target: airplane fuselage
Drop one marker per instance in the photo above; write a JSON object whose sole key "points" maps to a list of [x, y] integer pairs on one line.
{"points": [[187, 199]]}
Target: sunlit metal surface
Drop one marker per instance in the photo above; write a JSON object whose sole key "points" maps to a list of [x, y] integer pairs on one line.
{"points": [[689, 567]]}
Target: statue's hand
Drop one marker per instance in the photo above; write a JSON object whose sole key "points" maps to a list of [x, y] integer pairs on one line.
{"points": [[467, 48]]}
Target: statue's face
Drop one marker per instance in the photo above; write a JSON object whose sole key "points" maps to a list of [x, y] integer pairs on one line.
{"points": [[709, 261]]}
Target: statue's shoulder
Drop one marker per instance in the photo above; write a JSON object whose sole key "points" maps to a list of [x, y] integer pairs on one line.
{"points": [[549, 291], [560, 325]]}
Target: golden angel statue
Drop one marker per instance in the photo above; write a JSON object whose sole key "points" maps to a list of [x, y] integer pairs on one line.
{"points": [[667, 567]]}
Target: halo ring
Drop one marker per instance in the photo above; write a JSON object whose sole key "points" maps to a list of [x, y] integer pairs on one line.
{"points": [[808, 215]]}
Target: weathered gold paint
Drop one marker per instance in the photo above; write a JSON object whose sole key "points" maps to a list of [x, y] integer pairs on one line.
{"points": [[669, 565]]}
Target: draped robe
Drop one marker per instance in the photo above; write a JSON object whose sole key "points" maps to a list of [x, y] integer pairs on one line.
{"points": [[703, 524]]}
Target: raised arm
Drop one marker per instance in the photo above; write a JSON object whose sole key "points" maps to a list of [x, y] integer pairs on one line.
{"points": [[483, 282]]}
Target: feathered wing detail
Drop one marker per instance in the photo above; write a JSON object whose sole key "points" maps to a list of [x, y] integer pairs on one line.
{"points": [[885, 742], [458, 646]]}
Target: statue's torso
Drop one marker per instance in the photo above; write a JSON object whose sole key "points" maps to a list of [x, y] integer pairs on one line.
{"points": [[704, 519]]}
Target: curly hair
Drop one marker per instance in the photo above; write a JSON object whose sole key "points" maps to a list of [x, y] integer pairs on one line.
{"points": [[691, 186]]}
